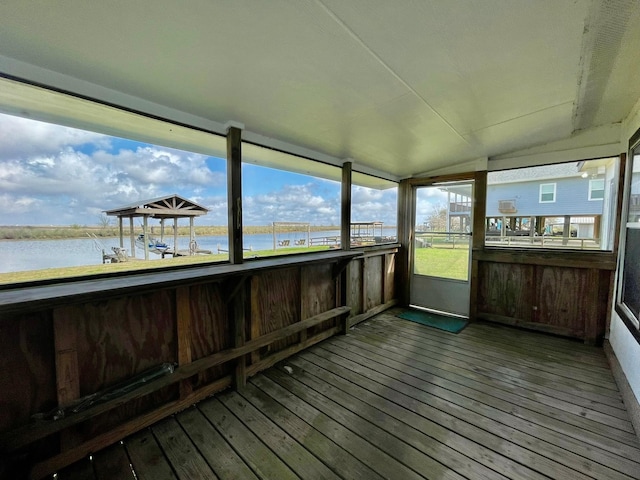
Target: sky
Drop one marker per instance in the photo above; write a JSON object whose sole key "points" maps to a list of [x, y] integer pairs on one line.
{"points": [[56, 175]]}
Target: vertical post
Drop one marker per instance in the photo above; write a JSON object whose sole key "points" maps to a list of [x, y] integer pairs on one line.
{"points": [[133, 238], [274, 234], [162, 229], [175, 237], [532, 227], [345, 204], [66, 361], [65, 339], [192, 237], [234, 193], [121, 231], [345, 239], [597, 234], [239, 335], [448, 211], [406, 222], [146, 237], [478, 237], [183, 326], [566, 230]]}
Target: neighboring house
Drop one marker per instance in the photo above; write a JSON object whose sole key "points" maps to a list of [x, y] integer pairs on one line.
{"points": [[571, 199]]}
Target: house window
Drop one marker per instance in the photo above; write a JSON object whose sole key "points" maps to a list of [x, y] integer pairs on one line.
{"points": [[546, 206], [596, 189], [628, 304], [547, 193]]}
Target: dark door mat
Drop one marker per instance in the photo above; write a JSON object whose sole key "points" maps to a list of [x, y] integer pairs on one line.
{"points": [[448, 324]]}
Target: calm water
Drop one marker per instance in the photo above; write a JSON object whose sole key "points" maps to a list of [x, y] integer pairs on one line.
{"points": [[21, 255]]}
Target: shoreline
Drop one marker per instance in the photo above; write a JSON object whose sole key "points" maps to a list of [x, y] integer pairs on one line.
{"points": [[41, 232]]}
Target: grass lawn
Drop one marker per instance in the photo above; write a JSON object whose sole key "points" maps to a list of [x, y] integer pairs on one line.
{"points": [[136, 266], [442, 262]]}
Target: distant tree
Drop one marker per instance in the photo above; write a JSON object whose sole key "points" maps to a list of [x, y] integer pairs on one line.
{"points": [[437, 219], [104, 221]]}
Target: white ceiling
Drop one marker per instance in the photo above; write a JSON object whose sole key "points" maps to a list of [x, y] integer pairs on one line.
{"points": [[400, 87]]}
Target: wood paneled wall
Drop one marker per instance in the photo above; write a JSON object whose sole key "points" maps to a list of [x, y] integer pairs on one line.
{"points": [[567, 293], [56, 355], [372, 284]]}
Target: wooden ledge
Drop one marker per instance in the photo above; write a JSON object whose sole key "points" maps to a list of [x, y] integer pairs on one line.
{"points": [[555, 258], [30, 298]]}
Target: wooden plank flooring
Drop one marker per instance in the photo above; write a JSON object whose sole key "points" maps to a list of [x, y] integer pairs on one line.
{"points": [[394, 399]]}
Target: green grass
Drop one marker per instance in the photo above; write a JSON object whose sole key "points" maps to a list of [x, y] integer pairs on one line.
{"points": [[440, 261]]}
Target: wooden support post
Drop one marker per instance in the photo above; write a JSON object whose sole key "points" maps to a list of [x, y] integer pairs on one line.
{"points": [[303, 281], [597, 234], [234, 193], [275, 245], [132, 235], [67, 372], [592, 313], [341, 299], [239, 335], [192, 237], [345, 207], [478, 237], [183, 326], [65, 338], [256, 315], [121, 231], [566, 230], [146, 237], [175, 237], [406, 226], [363, 281]]}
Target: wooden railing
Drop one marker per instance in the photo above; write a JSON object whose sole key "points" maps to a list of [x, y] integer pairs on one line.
{"points": [[216, 324]]}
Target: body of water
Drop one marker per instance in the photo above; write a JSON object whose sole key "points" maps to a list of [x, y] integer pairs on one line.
{"points": [[22, 255]]}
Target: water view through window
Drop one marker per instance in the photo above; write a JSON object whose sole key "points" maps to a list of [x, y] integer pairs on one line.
{"points": [[76, 202]]}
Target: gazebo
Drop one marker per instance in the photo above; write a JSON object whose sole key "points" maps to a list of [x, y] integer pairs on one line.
{"points": [[171, 206]]}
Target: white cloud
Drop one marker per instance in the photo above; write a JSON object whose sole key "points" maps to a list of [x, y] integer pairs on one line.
{"points": [[58, 175], [21, 137], [291, 203]]}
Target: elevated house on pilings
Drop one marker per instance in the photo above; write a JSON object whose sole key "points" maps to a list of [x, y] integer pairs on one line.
{"points": [[170, 207], [266, 367]]}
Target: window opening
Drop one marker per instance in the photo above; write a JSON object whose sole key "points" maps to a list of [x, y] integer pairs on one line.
{"points": [[551, 206]]}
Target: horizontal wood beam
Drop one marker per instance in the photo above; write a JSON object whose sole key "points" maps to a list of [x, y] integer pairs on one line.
{"points": [[57, 462], [564, 258], [37, 297], [374, 311], [540, 327], [271, 360], [23, 436]]}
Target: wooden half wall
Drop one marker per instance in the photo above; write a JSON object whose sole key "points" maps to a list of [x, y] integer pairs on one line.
{"points": [[564, 293], [213, 326]]}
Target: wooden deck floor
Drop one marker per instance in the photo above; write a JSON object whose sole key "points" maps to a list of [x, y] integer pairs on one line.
{"points": [[394, 399]]}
